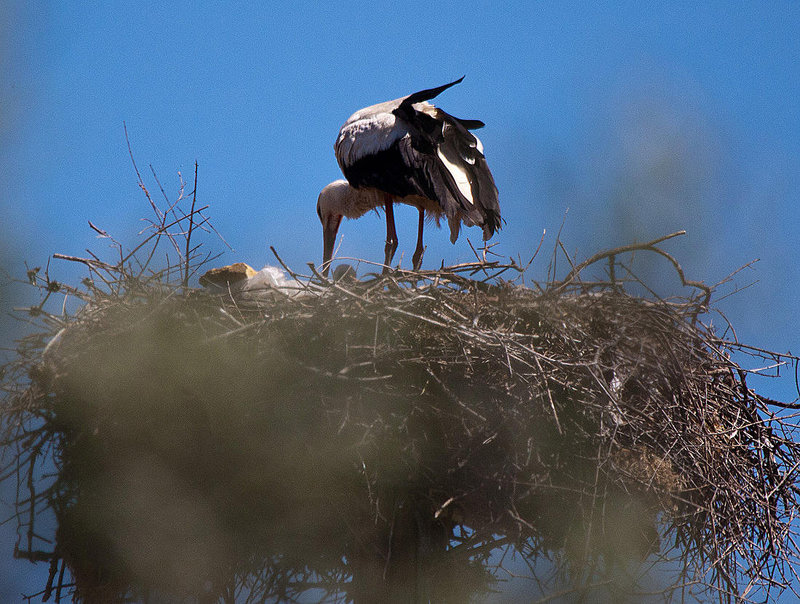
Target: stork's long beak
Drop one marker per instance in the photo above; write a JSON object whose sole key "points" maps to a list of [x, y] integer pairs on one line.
{"points": [[330, 227]]}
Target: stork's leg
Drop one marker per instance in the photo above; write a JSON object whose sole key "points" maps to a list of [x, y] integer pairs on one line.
{"points": [[391, 233], [417, 257]]}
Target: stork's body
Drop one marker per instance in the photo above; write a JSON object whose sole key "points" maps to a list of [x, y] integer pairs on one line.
{"points": [[411, 152]]}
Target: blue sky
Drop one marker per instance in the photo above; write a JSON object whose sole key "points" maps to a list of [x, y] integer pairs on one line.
{"points": [[639, 118]]}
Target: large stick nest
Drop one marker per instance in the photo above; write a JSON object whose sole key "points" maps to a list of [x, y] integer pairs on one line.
{"points": [[388, 434]]}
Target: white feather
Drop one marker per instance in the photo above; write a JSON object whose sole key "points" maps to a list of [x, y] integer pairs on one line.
{"points": [[480, 144], [458, 175], [270, 279]]}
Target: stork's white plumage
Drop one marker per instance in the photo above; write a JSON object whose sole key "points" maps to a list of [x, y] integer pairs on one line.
{"points": [[409, 151]]}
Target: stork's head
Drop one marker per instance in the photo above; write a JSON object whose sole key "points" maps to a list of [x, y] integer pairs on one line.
{"points": [[331, 206]]}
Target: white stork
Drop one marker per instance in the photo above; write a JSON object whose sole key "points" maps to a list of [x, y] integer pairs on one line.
{"points": [[409, 151]]}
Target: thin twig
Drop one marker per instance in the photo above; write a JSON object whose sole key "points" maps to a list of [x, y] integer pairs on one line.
{"points": [[191, 227]]}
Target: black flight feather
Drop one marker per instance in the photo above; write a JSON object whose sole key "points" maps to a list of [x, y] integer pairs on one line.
{"points": [[469, 124], [427, 95]]}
